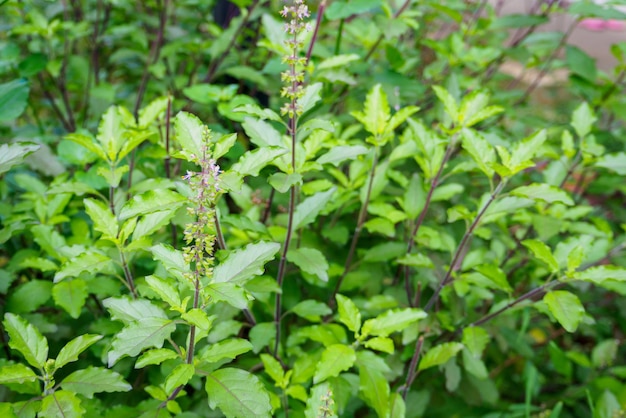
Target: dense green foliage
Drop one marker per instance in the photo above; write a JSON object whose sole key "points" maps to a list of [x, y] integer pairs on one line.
{"points": [[207, 213]]}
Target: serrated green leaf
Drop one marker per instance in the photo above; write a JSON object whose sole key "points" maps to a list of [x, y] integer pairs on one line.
{"points": [[336, 61], [391, 321], [273, 368], [471, 105], [262, 134], [376, 113], [129, 310], [310, 260], [111, 133], [349, 314], [252, 162], [164, 289], [61, 404], [180, 376], [542, 252], [583, 119], [341, 153], [496, 277], [544, 192], [155, 356], [383, 344], [242, 265], [156, 200], [615, 162], [16, 373], [231, 293], [190, 132], [152, 111], [14, 154], [227, 349], [439, 354], [71, 296], [415, 260], [475, 339], [72, 349], [138, 335], [524, 151], [26, 339], [449, 104], [172, 259], [375, 390], [310, 96], [283, 182], [95, 380], [566, 308], [309, 208], [198, 318], [90, 262], [237, 393], [88, 143], [335, 359], [600, 274], [481, 151]]}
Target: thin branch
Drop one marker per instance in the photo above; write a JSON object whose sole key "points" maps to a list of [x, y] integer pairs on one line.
{"points": [[413, 372], [461, 248]]}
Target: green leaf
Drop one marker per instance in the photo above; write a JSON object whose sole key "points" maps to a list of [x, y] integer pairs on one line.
{"points": [[376, 111], [401, 116], [190, 132], [227, 349], [88, 143], [72, 349], [273, 368], [439, 354], [481, 151], [172, 259], [95, 380], [16, 374], [449, 104], [309, 208], [524, 151], [155, 356], [605, 353], [14, 154], [601, 274], [242, 265], [311, 309], [111, 133], [71, 296], [580, 63], [26, 339], [231, 293], [13, 99], [129, 310], [566, 308], [471, 105], [349, 314], [181, 375], [583, 119], [61, 404], [375, 390], [496, 277], [542, 252], [517, 21], [341, 153], [151, 201], [29, 296], [475, 339], [262, 134], [383, 344], [237, 393], [164, 289], [341, 9], [252, 162], [392, 321], [335, 359], [310, 261], [474, 365], [283, 182], [152, 111], [310, 96], [87, 262], [136, 336], [615, 162], [414, 197], [544, 192]]}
